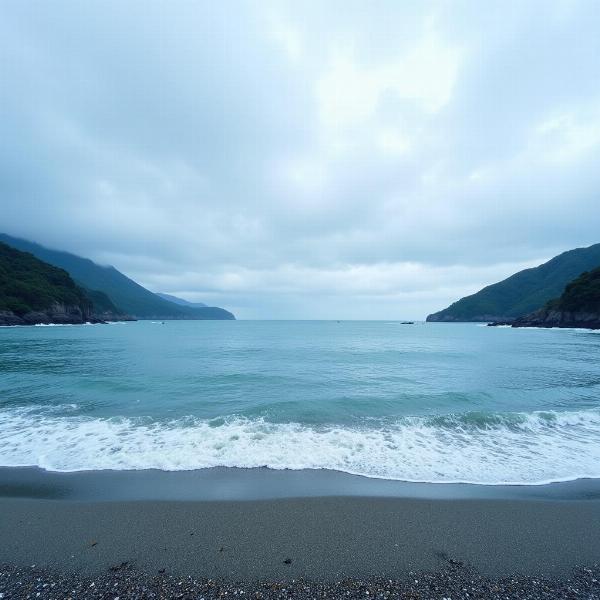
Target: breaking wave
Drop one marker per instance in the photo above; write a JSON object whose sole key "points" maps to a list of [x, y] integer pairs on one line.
{"points": [[482, 448]]}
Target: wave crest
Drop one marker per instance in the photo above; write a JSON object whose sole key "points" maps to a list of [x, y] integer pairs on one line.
{"points": [[483, 448]]}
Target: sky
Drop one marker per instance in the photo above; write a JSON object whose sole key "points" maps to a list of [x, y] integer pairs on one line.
{"points": [[310, 160]]}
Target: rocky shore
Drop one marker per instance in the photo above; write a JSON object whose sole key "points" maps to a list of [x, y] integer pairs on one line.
{"points": [[548, 317], [558, 318], [456, 581], [60, 314]]}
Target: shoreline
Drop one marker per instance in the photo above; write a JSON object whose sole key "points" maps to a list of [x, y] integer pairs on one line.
{"points": [[243, 524], [263, 483], [301, 534]]}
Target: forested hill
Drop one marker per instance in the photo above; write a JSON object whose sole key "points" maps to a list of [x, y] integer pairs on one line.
{"points": [[578, 306], [122, 291], [28, 284], [32, 291], [581, 295], [523, 292]]}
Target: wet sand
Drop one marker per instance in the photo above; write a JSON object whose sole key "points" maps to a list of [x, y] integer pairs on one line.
{"points": [[545, 531]]}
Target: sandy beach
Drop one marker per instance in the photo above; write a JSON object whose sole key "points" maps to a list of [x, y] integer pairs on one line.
{"points": [[325, 538], [48, 520]]}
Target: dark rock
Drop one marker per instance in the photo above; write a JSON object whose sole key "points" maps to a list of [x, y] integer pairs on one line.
{"points": [[60, 314], [546, 317], [8, 317]]}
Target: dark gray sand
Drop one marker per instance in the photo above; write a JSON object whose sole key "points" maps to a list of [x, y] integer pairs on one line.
{"points": [[324, 538], [524, 547]]}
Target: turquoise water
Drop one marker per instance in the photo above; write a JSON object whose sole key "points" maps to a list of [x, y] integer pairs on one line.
{"points": [[424, 402]]}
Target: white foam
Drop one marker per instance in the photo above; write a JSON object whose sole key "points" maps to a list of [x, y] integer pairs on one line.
{"points": [[530, 448], [43, 325], [63, 324]]}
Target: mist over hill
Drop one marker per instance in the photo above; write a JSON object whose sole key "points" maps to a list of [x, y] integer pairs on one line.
{"points": [[120, 289], [180, 301]]}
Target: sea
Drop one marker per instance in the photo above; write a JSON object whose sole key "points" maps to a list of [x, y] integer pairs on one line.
{"points": [[422, 402]]}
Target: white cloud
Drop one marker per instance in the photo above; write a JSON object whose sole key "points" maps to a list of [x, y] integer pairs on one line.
{"points": [[350, 94], [287, 37], [565, 137], [303, 159]]}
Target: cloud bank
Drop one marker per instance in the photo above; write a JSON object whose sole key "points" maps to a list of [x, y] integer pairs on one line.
{"points": [[303, 160]]}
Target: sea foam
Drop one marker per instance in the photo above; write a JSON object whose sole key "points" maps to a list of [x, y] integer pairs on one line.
{"points": [[516, 448]]}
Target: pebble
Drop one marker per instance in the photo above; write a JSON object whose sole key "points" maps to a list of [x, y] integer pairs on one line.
{"points": [[455, 582]]}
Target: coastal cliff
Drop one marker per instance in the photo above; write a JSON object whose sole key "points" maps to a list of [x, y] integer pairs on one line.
{"points": [[558, 318], [34, 292], [56, 313]]}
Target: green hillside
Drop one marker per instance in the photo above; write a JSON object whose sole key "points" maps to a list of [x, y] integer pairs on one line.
{"points": [[578, 306], [581, 295], [122, 291], [523, 292], [102, 303], [28, 284]]}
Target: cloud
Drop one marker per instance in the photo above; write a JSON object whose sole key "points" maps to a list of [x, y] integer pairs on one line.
{"points": [[303, 159]]}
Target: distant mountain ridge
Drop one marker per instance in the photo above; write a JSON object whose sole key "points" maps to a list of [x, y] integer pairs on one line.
{"points": [[180, 301], [128, 295], [523, 292]]}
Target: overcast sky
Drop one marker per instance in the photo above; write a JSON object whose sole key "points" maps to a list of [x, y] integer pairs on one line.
{"points": [[306, 159]]}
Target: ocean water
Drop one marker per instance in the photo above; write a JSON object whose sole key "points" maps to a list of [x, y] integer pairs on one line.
{"points": [[425, 402]]}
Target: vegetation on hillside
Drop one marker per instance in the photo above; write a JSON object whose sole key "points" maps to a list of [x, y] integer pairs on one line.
{"points": [[581, 295], [28, 284], [523, 292], [122, 291], [102, 303]]}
